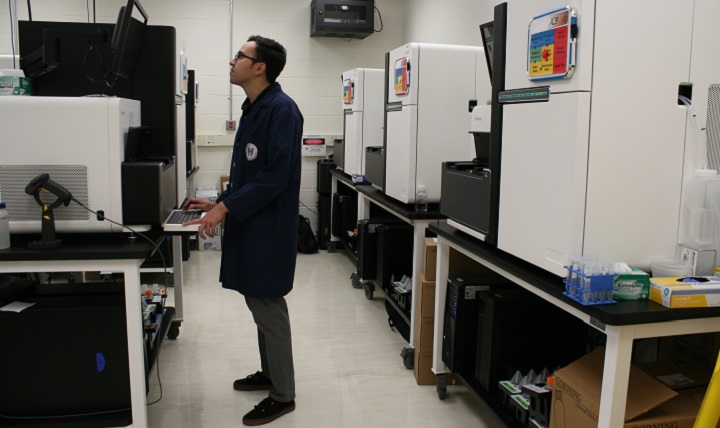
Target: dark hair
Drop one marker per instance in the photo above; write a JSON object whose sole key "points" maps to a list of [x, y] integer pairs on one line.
{"points": [[270, 52]]}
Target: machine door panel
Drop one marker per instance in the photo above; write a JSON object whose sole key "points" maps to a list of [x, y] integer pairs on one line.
{"points": [[401, 153], [637, 145], [353, 143], [542, 179]]}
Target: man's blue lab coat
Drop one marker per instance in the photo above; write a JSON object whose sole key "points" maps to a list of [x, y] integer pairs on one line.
{"points": [[261, 228]]}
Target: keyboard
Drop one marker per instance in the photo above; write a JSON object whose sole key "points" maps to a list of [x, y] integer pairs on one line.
{"points": [[174, 221], [183, 216]]}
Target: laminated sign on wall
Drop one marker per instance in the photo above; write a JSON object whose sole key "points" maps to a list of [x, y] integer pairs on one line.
{"points": [[313, 146]]}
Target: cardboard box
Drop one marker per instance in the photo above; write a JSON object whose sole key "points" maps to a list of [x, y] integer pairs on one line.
{"points": [[214, 243], [576, 394], [680, 412], [677, 375], [207, 194], [427, 296], [15, 85], [224, 181], [423, 368], [632, 285], [424, 333], [460, 264], [94, 276], [430, 259], [673, 293]]}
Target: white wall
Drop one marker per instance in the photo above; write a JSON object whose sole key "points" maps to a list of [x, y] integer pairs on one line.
{"points": [[454, 22]]}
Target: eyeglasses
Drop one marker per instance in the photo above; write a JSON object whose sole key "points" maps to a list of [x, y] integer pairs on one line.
{"points": [[240, 54]]}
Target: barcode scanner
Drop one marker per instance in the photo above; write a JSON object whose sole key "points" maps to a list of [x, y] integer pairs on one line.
{"points": [[43, 183]]}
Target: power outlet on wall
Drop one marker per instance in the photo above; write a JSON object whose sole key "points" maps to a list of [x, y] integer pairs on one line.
{"points": [[210, 140]]}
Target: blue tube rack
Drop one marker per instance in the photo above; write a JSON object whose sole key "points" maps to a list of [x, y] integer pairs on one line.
{"points": [[589, 289]]}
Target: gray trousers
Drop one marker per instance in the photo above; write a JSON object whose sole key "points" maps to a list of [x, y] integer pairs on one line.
{"points": [[275, 344]]}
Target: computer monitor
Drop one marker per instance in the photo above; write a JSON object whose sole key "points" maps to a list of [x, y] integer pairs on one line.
{"points": [[486, 32], [59, 42], [127, 38]]}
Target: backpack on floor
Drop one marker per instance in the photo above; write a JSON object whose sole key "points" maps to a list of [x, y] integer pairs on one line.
{"points": [[307, 243]]}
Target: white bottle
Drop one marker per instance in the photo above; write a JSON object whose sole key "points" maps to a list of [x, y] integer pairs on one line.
{"points": [[4, 227], [421, 198]]}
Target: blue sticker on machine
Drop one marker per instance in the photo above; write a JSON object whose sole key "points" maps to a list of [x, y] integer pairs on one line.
{"points": [[100, 361]]}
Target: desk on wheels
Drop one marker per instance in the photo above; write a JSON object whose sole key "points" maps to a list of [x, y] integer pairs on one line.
{"points": [[92, 252], [622, 322], [419, 220]]}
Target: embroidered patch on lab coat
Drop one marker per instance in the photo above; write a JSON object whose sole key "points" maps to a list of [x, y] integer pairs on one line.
{"points": [[251, 151]]}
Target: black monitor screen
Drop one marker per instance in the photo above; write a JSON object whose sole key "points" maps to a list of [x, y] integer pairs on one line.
{"points": [[486, 31], [127, 38]]}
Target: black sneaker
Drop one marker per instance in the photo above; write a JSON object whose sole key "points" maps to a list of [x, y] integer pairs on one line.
{"points": [[254, 382], [267, 411]]}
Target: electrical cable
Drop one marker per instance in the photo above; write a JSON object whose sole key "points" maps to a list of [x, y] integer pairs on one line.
{"points": [[29, 11], [87, 8], [12, 33], [93, 47], [157, 370], [110, 84], [381, 21], [165, 276], [76, 415], [155, 246], [94, 13], [108, 78]]}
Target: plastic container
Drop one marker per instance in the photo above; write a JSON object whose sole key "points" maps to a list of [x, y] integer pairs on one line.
{"points": [[702, 228], [589, 289], [698, 226], [421, 198], [670, 268], [4, 227]]}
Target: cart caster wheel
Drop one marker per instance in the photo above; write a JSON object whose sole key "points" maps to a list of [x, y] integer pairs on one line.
{"points": [[369, 290], [173, 331], [355, 279], [331, 247], [442, 386], [408, 356]]}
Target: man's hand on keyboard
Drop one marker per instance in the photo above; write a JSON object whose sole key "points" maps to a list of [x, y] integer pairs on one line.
{"points": [[198, 203], [215, 213]]}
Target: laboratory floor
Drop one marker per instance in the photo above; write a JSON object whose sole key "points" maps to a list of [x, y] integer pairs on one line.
{"points": [[348, 368]]}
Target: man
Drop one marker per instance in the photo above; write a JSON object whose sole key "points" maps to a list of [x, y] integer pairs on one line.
{"points": [[261, 225]]}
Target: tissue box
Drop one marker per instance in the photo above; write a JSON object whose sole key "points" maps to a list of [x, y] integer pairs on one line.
{"points": [[15, 85], [631, 285], [672, 293]]}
